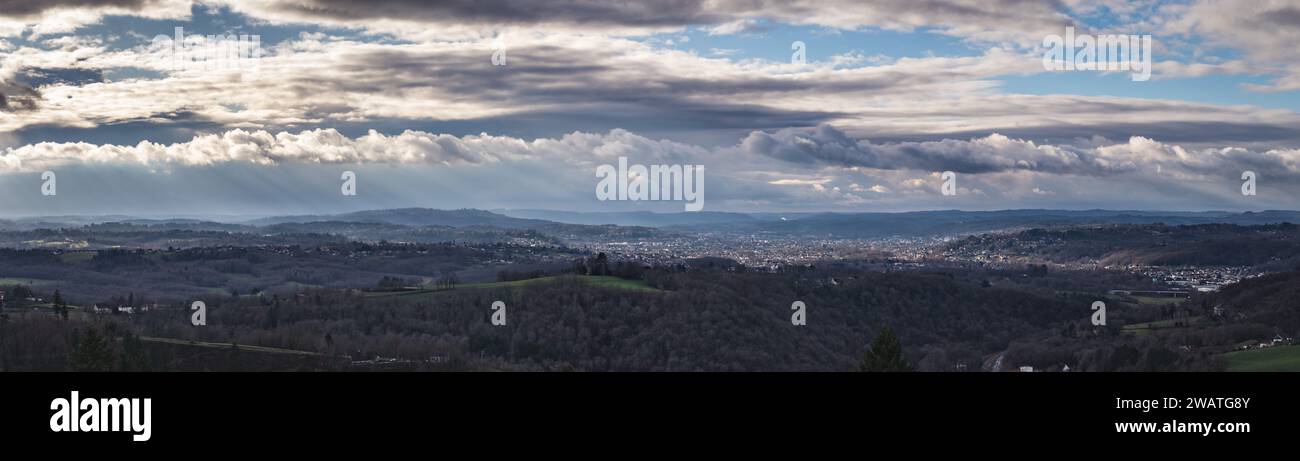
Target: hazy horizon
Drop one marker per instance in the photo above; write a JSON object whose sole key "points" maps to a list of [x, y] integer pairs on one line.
{"points": [[239, 219]]}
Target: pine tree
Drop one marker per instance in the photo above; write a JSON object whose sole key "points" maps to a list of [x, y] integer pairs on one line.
{"points": [[91, 353], [132, 357], [59, 306], [886, 354]]}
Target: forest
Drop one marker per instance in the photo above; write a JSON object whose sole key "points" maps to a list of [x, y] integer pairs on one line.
{"points": [[684, 320], [302, 301]]}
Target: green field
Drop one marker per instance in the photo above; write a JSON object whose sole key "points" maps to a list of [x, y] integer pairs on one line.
{"points": [[1139, 328], [600, 281], [1158, 300], [183, 342], [77, 257], [1280, 358], [25, 281]]}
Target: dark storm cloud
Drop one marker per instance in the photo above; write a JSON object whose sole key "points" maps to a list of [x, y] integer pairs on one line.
{"points": [[828, 145], [16, 96], [972, 16], [591, 81], [627, 13], [25, 8], [583, 90], [164, 128], [1280, 17]]}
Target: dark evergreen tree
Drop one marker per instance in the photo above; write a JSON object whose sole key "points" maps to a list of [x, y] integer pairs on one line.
{"points": [[59, 306], [886, 354], [91, 353], [133, 355]]}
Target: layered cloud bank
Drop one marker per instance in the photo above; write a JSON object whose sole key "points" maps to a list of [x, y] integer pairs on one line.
{"points": [[399, 87], [820, 147], [818, 167], [1001, 18], [328, 146], [998, 153], [579, 63]]}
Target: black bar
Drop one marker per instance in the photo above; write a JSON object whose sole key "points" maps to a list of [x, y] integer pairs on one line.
{"points": [[353, 410]]}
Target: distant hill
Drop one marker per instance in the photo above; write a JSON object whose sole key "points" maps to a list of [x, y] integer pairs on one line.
{"points": [[427, 225], [414, 217], [632, 218], [821, 224], [903, 224], [1276, 245], [1268, 301], [55, 222], [138, 225], [952, 222]]}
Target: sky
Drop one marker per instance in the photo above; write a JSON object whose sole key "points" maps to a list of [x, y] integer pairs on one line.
{"points": [[828, 105]]}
